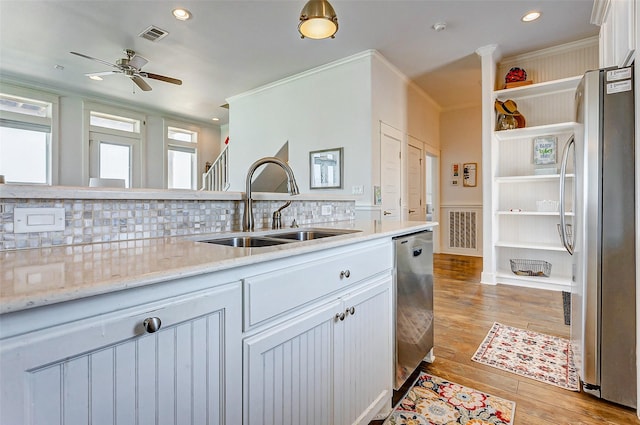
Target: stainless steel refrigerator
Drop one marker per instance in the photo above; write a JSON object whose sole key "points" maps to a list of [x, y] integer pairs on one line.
{"points": [[603, 294]]}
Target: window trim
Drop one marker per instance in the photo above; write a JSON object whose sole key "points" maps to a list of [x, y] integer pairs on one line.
{"points": [[139, 179], [53, 148], [182, 146]]}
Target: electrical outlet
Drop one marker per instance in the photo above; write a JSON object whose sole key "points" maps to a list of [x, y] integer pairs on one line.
{"points": [[326, 210], [27, 220], [357, 190]]}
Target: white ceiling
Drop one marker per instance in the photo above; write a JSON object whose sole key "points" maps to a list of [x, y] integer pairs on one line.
{"points": [[230, 47]]}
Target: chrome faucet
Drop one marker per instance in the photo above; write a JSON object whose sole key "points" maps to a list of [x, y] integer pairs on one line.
{"points": [[247, 219]]}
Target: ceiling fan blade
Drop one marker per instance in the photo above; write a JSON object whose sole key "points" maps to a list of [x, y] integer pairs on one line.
{"points": [[138, 62], [100, 74], [94, 59], [141, 83], [161, 78]]}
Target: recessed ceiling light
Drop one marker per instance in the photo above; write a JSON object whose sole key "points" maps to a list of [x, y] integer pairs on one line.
{"points": [[95, 77], [215, 119], [530, 16], [439, 26], [181, 14]]}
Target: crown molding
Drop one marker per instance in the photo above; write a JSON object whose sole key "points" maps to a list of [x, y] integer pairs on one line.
{"points": [[599, 11], [304, 74], [561, 48]]}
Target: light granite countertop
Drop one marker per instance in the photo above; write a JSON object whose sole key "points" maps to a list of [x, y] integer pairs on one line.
{"points": [[43, 276]]}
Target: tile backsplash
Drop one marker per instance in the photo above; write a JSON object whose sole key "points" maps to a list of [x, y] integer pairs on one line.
{"points": [[97, 220]]}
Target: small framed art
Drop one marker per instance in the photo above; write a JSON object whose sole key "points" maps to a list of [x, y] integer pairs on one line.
{"points": [[325, 169]]}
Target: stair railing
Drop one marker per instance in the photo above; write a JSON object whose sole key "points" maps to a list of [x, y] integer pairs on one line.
{"points": [[217, 177]]}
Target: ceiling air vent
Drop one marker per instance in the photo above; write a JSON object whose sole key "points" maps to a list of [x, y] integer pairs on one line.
{"points": [[153, 33]]}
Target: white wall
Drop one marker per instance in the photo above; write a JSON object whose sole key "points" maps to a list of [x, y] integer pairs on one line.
{"points": [[328, 107], [461, 141], [73, 152], [398, 102], [340, 104]]}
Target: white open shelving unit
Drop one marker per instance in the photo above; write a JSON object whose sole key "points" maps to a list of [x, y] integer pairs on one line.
{"points": [[520, 231]]}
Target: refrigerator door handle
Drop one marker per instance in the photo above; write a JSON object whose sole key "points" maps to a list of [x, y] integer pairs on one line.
{"points": [[563, 175]]}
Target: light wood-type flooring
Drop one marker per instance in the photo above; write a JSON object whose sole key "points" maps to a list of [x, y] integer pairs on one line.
{"points": [[464, 312]]}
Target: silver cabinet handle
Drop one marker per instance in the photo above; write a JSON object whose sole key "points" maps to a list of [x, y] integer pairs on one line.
{"points": [[386, 213], [345, 273], [340, 316], [351, 310], [152, 324]]}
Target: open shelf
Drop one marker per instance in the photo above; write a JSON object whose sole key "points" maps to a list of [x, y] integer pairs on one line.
{"points": [[534, 213], [531, 245], [530, 178], [539, 89], [540, 130], [561, 283]]}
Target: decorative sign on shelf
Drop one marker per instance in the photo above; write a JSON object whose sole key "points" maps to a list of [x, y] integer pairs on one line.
{"points": [[545, 150]]}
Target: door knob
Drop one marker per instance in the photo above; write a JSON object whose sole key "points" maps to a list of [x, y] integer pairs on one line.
{"points": [[386, 213], [152, 324], [412, 211]]}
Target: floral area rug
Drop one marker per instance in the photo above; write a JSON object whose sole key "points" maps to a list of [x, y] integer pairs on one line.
{"points": [[434, 401], [531, 354]]}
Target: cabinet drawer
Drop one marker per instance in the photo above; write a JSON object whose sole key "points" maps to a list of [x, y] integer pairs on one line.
{"points": [[267, 295]]}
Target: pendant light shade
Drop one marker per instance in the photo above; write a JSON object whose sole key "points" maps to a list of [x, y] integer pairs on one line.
{"points": [[318, 20]]}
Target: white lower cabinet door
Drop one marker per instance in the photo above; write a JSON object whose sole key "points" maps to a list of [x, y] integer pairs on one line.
{"points": [[289, 371], [330, 366], [366, 383], [110, 370]]}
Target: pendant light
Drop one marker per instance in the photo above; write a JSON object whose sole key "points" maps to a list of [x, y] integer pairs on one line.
{"points": [[318, 20]]}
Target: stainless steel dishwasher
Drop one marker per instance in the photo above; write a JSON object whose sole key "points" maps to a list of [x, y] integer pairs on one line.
{"points": [[413, 296]]}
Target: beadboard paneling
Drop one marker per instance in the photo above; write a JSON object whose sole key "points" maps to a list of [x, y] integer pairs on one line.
{"points": [[554, 63]]}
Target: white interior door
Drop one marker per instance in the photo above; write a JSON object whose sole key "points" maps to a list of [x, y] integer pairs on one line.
{"points": [[415, 185], [390, 172], [432, 192], [115, 157]]}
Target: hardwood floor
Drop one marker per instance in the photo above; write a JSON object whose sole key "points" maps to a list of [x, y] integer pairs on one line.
{"points": [[464, 312]]}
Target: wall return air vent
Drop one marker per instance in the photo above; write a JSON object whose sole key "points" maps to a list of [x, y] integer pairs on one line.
{"points": [[153, 33]]}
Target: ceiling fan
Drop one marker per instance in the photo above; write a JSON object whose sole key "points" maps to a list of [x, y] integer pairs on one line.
{"points": [[131, 66]]}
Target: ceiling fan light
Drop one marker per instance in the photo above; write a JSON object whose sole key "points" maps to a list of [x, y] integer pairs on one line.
{"points": [[318, 20]]}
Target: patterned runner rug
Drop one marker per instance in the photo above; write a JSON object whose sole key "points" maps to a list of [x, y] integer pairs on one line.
{"points": [[434, 401], [531, 354]]}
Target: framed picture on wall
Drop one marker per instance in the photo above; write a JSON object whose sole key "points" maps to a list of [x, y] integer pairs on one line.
{"points": [[470, 174], [325, 169]]}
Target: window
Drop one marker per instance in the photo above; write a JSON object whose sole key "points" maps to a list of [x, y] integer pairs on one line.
{"points": [[26, 141], [181, 158], [115, 144]]}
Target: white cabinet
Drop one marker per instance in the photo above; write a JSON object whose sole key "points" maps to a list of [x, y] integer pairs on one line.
{"points": [[521, 229], [329, 366], [617, 19], [318, 347], [109, 369]]}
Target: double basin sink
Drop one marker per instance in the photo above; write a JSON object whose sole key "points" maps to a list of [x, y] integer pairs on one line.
{"points": [[277, 238]]}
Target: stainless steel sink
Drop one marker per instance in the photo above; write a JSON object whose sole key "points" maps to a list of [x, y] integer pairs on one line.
{"points": [[246, 241], [307, 235], [277, 238]]}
